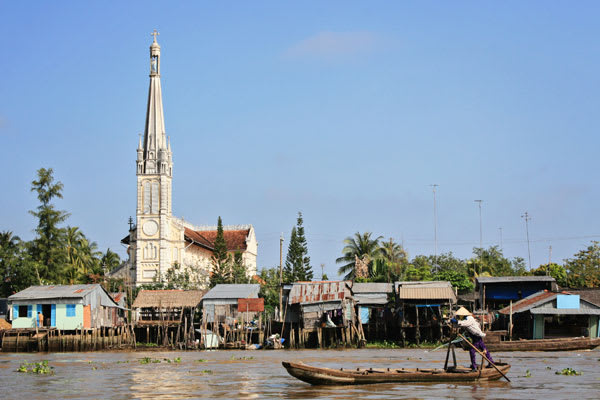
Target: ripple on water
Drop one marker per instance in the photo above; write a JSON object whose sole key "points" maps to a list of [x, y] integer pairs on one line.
{"points": [[259, 374]]}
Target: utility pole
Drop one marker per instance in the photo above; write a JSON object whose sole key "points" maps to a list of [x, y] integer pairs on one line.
{"points": [[434, 186], [480, 225], [501, 247], [549, 260], [280, 276], [322, 270], [527, 219]]}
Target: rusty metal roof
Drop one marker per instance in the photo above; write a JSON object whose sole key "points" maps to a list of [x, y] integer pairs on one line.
{"points": [[316, 292], [434, 290]]}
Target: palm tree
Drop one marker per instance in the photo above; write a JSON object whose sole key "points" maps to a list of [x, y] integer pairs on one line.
{"points": [[110, 260], [73, 248], [358, 246], [393, 259]]}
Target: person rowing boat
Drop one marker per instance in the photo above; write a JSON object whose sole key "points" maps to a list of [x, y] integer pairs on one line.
{"points": [[464, 319]]}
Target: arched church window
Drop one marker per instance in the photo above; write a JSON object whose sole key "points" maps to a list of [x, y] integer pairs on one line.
{"points": [[146, 197], [155, 193]]}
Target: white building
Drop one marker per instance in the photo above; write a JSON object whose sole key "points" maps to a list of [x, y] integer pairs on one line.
{"points": [[158, 240]]}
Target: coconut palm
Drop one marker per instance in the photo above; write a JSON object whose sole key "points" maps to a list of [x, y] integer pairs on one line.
{"points": [[392, 261], [358, 246]]}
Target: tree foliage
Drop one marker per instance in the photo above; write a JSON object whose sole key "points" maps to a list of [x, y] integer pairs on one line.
{"points": [[297, 263], [584, 268], [57, 254], [221, 260], [360, 245]]}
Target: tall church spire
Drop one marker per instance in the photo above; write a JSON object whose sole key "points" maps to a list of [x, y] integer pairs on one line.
{"points": [[155, 142]]}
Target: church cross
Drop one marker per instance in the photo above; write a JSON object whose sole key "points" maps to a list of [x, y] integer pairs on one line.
{"points": [[155, 34]]}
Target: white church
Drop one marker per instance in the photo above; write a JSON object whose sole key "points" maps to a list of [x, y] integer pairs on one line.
{"points": [[158, 240]]}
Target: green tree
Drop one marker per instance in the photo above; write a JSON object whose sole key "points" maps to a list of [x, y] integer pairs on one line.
{"points": [[17, 271], [269, 288], [558, 272], [239, 272], [358, 246], [391, 263], [297, 263], [459, 280], [584, 268], [47, 250], [110, 260], [419, 269], [221, 260]]}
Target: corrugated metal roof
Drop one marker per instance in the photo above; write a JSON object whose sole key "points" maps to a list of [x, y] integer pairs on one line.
{"points": [[543, 303], [504, 279], [529, 302], [233, 291], [315, 292], [425, 290], [372, 288], [564, 311], [426, 293], [364, 299], [55, 292]]}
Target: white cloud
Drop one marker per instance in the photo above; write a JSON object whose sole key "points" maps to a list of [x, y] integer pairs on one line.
{"points": [[332, 45]]}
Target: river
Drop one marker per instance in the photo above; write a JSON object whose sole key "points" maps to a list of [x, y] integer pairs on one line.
{"points": [[259, 375]]}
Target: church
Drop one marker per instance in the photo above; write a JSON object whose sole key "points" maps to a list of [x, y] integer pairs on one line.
{"points": [[158, 241]]}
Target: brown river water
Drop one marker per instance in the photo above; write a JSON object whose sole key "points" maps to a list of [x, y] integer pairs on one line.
{"points": [[259, 375]]}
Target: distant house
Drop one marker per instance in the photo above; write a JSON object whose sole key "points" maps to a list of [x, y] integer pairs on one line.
{"points": [[548, 314], [421, 308], [66, 307], [165, 306], [310, 302], [373, 302], [493, 293], [221, 303]]}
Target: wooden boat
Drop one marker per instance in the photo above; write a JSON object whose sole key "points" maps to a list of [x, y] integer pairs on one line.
{"points": [[560, 344], [359, 376]]}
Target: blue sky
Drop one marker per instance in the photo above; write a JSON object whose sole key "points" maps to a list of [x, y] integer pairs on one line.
{"points": [[346, 111]]}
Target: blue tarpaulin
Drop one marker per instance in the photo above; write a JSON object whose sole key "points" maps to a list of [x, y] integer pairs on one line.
{"points": [[364, 314]]}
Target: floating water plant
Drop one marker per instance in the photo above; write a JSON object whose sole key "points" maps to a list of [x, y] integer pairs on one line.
{"points": [[568, 371], [528, 374], [201, 360], [40, 368], [148, 360], [206, 371]]}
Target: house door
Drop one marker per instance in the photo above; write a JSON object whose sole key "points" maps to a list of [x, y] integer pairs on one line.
{"points": [[538, 326], [47, 313]]}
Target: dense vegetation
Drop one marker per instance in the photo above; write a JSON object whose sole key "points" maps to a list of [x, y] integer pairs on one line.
{"points": [[57, 254]]}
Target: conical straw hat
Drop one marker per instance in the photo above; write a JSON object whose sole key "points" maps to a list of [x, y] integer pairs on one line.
{"points": [[462, 312]]}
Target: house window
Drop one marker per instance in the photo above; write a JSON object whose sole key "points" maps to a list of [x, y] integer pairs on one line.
{"points": [[70, 310], [23, 311]]}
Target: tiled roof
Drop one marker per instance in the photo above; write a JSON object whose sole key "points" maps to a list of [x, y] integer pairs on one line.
{"points": [[235, 239]]}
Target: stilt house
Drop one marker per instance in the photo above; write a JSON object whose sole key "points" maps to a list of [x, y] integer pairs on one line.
{"points": [[66, 307]]}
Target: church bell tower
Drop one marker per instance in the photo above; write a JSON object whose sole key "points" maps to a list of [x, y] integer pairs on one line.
{"points": [[154, 168]]}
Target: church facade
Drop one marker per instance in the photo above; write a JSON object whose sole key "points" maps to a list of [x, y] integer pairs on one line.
{"points": [[159, 241]]}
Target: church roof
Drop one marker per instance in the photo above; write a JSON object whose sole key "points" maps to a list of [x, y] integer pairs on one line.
{"points": [[234, 239]]}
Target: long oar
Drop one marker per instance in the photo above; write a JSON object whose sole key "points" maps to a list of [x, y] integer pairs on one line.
{"points": [[483, 355], [443, 345]]}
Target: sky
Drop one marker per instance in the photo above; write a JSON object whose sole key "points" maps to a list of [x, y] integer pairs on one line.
{"points": [[344, 110]]}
